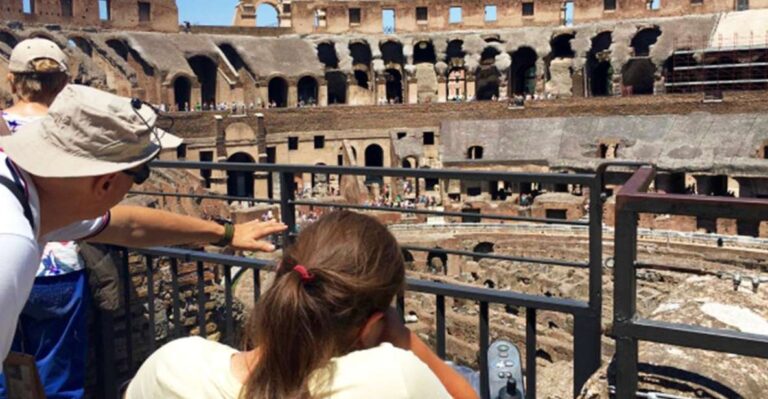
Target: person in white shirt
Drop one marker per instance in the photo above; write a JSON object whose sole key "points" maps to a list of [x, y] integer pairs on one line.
{"points": [[325, 328], [63, 175]]}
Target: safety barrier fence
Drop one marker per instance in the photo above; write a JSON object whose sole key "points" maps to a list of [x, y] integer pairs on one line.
{"points": [[586, 313]]}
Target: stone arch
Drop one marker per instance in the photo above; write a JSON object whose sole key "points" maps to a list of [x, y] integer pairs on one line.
{"points": [[9, 38], [374, 156], [454, 53], [522, 73], [599, 69], [487, 75], [307, 90], [182, 92], [394, 85], [318, 178], [42, 35], [638, 75], [267, 15], [361, 63], [240, 183], [337, 87], [119, 47], [475, 152], [392, 53], [81, 43], [206, 70], [560, 46], [643, 40], [424, 52], [326, 53], [278, 92], [233, 56], [484, 247], [410, 162], [437, 262]]}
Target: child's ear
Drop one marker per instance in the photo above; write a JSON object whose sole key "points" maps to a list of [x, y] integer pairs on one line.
{"points": [[370, 334]]}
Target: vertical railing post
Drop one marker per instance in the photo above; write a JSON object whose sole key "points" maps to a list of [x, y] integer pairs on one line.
{"points": [[105, 354], [587, 328], [625, 294], [287, 207]]}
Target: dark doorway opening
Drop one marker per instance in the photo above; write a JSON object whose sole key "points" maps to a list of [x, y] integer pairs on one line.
{"points": [[337, 87], [278, 92], [394, 85], [522, 73], [307, 91], [240, 183], [182, 91], [205, 69]]}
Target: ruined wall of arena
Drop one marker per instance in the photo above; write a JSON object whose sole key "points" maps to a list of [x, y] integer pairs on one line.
{"points": [[149, 15], [325, 16]]}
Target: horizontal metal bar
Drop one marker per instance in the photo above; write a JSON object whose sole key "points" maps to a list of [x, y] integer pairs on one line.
{"points": [[720, 66], [554, 262], [205, 196], [695, 205], [455, 174], [193, 256], [717, 82], [453, 290], [491, 295], [698, 337], [442, 213]]}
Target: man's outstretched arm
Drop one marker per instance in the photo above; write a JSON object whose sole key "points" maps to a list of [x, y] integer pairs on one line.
{"points": [[134, 226]]}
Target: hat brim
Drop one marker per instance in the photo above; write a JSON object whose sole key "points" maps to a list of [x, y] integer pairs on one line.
{"points": [[39, 157]]}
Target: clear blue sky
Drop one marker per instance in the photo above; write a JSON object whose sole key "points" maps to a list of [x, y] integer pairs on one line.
{"points": [[207, 12]]}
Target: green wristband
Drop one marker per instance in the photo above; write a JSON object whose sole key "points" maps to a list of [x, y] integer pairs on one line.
{"points": [[229, 233]]}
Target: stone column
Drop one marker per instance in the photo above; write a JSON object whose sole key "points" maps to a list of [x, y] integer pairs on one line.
{"points": [[322, 94], [293, 94], [412, 90], [442, 89], [471, 87]]}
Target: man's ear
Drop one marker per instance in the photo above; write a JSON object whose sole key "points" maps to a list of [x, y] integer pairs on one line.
{"points": [[103, 184], [370, 334]]}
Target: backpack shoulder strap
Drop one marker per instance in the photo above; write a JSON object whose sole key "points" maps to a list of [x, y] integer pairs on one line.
{"points": [[19, 194]]}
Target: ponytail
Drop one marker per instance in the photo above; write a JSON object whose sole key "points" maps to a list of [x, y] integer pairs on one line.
{"points": [[351, 267]]}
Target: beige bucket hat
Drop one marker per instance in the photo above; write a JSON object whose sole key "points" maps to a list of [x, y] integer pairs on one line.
{"points": [[34, 49], [87, 132]]}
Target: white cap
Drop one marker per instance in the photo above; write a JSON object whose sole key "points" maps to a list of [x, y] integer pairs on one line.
{"points": [[31, 50]]}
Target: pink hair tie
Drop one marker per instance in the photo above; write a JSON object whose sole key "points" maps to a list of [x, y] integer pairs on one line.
{"points": [[304, 274]]}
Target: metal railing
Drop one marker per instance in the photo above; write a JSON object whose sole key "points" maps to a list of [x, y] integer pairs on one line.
{"points": [[586, 314], [628, 326]]}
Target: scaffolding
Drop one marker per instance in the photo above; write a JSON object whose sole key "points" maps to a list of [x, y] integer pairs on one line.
{"points": [[739, 63]]}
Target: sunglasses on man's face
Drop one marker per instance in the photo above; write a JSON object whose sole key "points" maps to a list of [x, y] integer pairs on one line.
{"points": [[141, 175]]}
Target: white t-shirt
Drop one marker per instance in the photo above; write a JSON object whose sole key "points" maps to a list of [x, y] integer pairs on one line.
{"points": [[195, 368], [21, 248]]}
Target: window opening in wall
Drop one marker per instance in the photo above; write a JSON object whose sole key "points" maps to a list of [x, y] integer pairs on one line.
{"points": [[394, 86], [765, 152], [422, 14], [206, 156], [319, 142], [271, 155], [697, 2], [742, 5], [320, 18], [206, 71], [523, 71], [267, 16], [337, 87], [388, 20], [277, 91], [653, 4], [181, 152], [354, 16], [145, 11], [454, 15], [430, 183], [475, 152], [104, 10], [609, 5], [293, 143], [66, 8], [287, 8], [566, 13], [401, 135], [307, 91], [490, 13], [28, 6], [643, 41], [528, 9], [429, 138], [561, 214]]}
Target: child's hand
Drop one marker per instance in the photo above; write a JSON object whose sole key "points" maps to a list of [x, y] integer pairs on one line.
{"points": [[395, 332]]}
